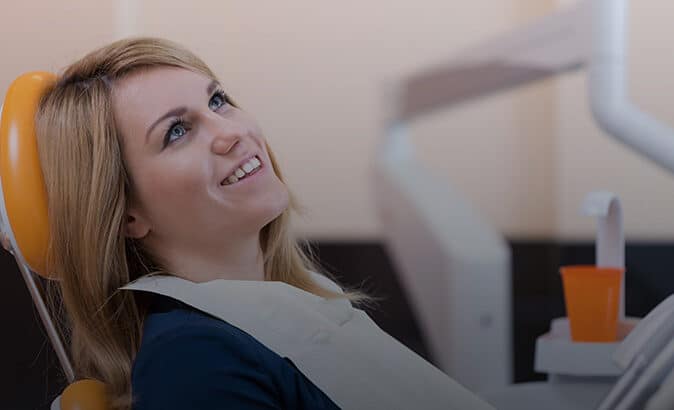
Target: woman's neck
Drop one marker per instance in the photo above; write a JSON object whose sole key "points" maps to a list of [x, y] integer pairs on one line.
{"points": [[237, 260]]}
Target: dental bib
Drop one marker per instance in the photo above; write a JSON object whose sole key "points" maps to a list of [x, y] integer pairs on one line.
{"points": [[339, 348]]}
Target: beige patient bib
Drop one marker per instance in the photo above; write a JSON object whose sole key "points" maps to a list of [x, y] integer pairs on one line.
{"points": [[339, 348]]}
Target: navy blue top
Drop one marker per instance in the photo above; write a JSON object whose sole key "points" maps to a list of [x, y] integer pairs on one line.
{"points": [[191, 360]]}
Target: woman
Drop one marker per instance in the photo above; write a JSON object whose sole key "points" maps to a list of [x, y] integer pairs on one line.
{"points": [[150, 168]]}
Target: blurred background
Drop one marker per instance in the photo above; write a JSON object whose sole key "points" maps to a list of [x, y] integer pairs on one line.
{"points": [[313, 72]]}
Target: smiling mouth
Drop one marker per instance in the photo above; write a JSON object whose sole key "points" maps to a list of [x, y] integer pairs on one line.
{"points": [[249, 168]]}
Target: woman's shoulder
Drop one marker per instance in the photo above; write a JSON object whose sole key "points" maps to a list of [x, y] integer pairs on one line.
{"points": [[189, 359], [168, 315], [173, 327]]}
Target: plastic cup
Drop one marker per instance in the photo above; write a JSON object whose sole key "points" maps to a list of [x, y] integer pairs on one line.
{"points": [[592, 297]]}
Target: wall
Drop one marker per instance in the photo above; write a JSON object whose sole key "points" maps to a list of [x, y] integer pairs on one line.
{"points": [[313, 75], [51, 35], [313, 72]]}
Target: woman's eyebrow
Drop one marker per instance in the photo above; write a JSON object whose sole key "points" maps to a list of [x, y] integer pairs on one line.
{"points": [[213, 84], [176, 112]]}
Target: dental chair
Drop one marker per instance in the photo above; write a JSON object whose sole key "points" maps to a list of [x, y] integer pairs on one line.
{"points": [[24, 221]]}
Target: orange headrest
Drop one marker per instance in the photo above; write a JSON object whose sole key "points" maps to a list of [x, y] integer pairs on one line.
{"points": [[23, 202]]}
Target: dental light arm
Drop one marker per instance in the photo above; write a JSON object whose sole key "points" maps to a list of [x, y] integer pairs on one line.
{"points": [[610, 103], [552, 45], [592, 34]]}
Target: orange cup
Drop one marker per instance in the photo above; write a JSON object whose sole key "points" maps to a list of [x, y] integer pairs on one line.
{"points": [[592, 297]]}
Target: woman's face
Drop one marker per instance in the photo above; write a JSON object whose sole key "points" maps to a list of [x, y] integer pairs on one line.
{"points": [[181, 141]]}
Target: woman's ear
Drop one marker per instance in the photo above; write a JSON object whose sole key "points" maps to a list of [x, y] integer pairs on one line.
{"points": [[135, 226]]}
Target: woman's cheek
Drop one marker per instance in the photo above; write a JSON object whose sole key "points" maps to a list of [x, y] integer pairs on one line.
{"points": [[168, 183]]}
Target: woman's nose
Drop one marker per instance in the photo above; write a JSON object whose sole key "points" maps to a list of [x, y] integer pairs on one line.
{"points": [[225, 136], [222, 146]]}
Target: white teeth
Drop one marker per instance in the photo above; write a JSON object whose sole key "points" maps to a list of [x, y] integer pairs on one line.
{"points": [[247, 167], [252, 164]]}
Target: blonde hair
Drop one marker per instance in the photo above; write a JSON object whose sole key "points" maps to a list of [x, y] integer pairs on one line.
{"points": [[87, 188]]}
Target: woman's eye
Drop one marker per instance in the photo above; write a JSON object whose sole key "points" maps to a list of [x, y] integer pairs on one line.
{"points": [[178, 128], [176, 131], [218, 100]]}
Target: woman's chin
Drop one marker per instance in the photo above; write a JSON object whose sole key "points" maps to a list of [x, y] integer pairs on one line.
{"points": [[275, 207]]}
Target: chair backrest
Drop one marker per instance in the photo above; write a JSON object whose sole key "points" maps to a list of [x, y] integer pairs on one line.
{"points": [[24, 221], [24, 197]]}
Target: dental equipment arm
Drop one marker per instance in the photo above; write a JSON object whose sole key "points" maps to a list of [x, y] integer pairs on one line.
{"points": [[553, 45], [592, 33]]}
